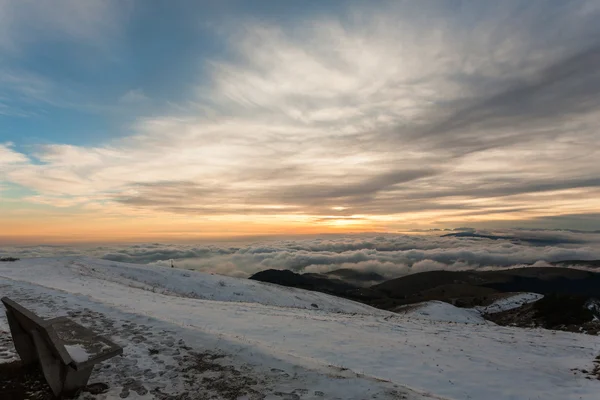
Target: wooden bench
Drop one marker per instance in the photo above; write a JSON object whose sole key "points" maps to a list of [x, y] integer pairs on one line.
{"points": [[65, 350]]}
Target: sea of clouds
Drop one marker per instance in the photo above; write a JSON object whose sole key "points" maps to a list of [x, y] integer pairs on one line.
{"points": [[390, 255]]}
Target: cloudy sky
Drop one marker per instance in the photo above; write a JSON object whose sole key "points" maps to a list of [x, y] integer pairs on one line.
{"points": [[136, 121]]}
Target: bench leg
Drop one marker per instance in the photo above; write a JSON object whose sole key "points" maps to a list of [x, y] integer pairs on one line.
{"points": [[75, 380], [23, 343], [64, 380], [51, 366]]}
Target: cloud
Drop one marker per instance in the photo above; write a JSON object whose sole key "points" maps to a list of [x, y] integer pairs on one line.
{"points": [[388, 255], [23, 21], [566, 88], [406, 115], [19, 89], [41, 40], [427, 265], [133, 96], [9, 156]]}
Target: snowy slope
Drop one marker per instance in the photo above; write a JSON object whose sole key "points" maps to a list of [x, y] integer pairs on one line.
{"points": [[182, 283], [441, 311], [290, 347], [162, 358], [510, 302]]}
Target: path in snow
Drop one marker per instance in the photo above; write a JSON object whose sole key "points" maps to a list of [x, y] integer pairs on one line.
{"points": [[448, 359]]}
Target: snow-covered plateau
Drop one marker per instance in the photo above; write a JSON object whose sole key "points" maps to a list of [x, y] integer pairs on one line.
{"points": [[187, 333]]}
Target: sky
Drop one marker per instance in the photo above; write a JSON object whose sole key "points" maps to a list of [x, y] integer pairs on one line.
{"points": [[130, 121]]}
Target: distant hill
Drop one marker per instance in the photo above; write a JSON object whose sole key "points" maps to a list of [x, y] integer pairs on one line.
{"points": [[339, 279], [556, 311], [468, 288], [567, 281], [342, 282], [461, 288], [315, 282]]}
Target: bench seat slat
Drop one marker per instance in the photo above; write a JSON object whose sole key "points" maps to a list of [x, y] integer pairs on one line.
{"points": [[62, 331], [97, 359], [97, 347]]}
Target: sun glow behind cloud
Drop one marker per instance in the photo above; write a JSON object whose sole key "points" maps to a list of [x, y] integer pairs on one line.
{"points": [[392, 117]]}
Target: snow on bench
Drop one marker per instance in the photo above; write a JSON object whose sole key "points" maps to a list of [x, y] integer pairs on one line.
{"points": [[65, 350]]}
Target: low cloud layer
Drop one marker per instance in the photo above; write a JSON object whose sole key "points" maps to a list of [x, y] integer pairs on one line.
{"points": [[389, 255]]}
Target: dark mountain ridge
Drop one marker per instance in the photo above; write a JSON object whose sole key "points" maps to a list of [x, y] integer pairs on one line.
{"points": [[461, 288], [342, 283], [543, 280]]}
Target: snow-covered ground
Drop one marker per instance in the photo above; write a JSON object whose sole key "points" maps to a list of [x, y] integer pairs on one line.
{"points": [[188, 331], [441, 311], [510, 302], [192, 284]]}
